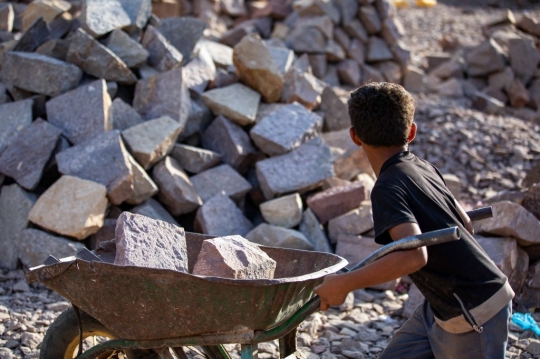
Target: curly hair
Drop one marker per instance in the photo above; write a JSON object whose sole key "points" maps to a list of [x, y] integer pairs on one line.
{"points": [[381, 114]]}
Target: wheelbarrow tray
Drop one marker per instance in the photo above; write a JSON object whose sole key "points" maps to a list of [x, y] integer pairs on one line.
{"points": [[144, 303]]}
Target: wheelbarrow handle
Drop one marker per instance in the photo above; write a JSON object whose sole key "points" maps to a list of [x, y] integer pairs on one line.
{"points": [[480, 213]]}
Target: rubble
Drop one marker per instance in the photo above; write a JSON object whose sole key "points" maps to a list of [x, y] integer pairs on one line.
{"points": [[270, 235], [36, 246], [230, 183], [14, 117], [236, 102], [336, 201], [284, 211], [219, 216]]}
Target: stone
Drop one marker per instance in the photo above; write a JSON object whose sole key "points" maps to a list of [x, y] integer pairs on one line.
{"points": [[303, 88], [200, 71], [529, 297], [126, 48], [413, 79], [414, 300], [370, 18], [91, 102], [165, 94], [15, 204], [231, 142], [517, 94], [139, 12], [314, 232], [485, 103], [237, 102], [47, 9], [219, 216], [72, 207], [7, 17], [392, 30], [356, 30], [286, 129], [194, 159], [284, 211], [302, 64], [531, 200], [35, 36], [355, 222], [256, 68], [143, 186], [334, 105], [307, 40], [99, 17], [233, 257], [502, 251], [39, 73], [334, 53], [183, 33], [274, 236], [341, 37], [450, 88], [349, 72], [122, 116], [153, 209], [529, 25], [200, 117], [176, 191], [36, 246], [222, 55], [534, 92], [282, 58], [524, 58], [511, 220], [371, 74], [25, 158], [105, 234], [336, 201], [231, 183], [162, 55], [502, 79], [349, 160], [378, 50], [356, 51], [145, 242], [485, 59], [14, 117], [453, 183], [31, 340], [57, 48], [357, 248], [152, 140]]}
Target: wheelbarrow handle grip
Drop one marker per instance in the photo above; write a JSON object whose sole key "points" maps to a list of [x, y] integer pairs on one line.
{"points": [[480, 213]]}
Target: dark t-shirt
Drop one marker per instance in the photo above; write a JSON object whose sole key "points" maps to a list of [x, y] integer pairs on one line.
{"points": [[411, 190]]}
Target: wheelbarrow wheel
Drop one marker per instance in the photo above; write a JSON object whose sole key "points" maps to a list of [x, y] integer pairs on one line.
{"points": [[62, 338]]}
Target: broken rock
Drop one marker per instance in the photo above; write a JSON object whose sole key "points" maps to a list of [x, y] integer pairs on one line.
{"points": [[162, 55], [336, 201], [531, 200], [302, 87], [274, 236], [314, 232], [14, 117], [524, 58], [334, 104], [127, 49], [183, 33], [194, 159], [284, 211], [122, 116], [230, 183], [485, 59], [237, 102], [36, 246], [143, 186], [355, 222], [99, 17], [219, 216], [155, 210]]}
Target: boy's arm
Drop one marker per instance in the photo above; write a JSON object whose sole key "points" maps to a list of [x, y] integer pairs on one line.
{"points": [[335, 287], [464, 217]]}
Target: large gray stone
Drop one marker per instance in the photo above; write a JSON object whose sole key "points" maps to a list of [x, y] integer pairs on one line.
{"points": [[307, 40], [282, 58], [155, 210], [286, 129], [165, 94], [122, 116], [302, 87], [49, 10], [231, 142], [300, 170], [99, 17], [143, 186], [57, 48], [39, 73], [91, 105], [200, 71], [127, 49], [284, 211], [237, 102], [162, 55], [378, 50], [219, 216], [194, 159], [183, 33], [334, 105], [14, 117], [97, 60], [146, 242], [355, 222], [72, 207], [370, 18], [524, 58], [233, 257], [349, 160], [484, 59], [36, 35], [349, 72], [102, 159], [200, 117], [274, 236], [36, 246], [176, 191], [266, 109], [152, 140], [15, 205], [355, 29], [139, 11], [25, 158], [314, 232], [221, 54], [336, 201], [230, 182]]}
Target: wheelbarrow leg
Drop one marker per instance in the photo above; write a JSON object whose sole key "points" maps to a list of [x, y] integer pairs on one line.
{"points": [[250, 351], [287, 346]]}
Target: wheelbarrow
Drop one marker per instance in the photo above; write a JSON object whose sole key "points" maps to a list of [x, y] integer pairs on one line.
{"points": [[145, 312]]}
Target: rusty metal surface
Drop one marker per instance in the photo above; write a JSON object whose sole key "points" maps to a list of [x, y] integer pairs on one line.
{"points": [[145, 304]]}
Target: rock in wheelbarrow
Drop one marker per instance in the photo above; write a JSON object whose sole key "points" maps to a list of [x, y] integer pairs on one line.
{"points": [[145, 242], [233, 257]]}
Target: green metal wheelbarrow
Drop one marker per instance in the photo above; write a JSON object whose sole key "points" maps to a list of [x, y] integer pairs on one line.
{"points": [[146, 312]]}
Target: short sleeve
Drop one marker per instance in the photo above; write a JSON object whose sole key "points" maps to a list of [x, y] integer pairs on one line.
{"points": [[390, 208]]}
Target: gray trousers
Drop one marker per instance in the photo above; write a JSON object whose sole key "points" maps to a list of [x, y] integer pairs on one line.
{"points": [[421, 338]]}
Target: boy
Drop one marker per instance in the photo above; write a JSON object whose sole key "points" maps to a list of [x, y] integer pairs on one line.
{"points": [[468, 300]]}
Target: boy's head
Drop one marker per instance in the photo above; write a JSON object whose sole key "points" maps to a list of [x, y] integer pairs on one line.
{"points": [[381, 114]]}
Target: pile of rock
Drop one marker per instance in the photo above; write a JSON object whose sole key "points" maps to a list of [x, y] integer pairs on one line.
{"points": [[501, 71]]}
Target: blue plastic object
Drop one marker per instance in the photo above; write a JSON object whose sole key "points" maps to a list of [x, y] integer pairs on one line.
{"points": [[526, 322]]}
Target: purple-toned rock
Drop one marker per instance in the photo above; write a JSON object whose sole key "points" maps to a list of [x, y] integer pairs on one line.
{"points": [[314, 232], [102, 159], [152, 140], [36, 246], [56, 48], [307, 40], [25, 158], [266, 109], [336, 201], [39, 73], [531, 200], [165, 94], [370, 18], [302, 87], [517, 94], [155, 210], [530, 296], [524, 58], [182, 32], [105, 234], [145, 242], [231, 142], [378, 50], [200, 71], [91, 104], [274, 236], [349, 160], [392, 30], [286, 129], [122, 116], [14, 117], [300, 170], [99, 17], [194, 159], [356, 30], [237, 102], [176, 191], [349, 72], [219, 216], [143, 186], [230, 182], [334, 105], [36, 35], [126, 48], [284, 211], [97, 60], [486, 58], [355, 222], [233, 257], [162, 55]]}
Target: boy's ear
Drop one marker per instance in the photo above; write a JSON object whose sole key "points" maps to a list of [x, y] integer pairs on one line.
{"points": [[412, 132], [354, 137]]}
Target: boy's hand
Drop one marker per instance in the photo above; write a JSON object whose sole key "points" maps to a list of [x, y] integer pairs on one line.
{"points": [[331, 292]]}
